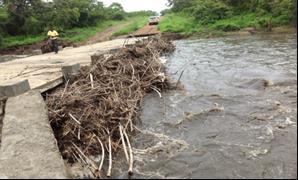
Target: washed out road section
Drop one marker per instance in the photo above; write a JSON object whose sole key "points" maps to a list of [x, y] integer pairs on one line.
{"points": [[43, 70]]}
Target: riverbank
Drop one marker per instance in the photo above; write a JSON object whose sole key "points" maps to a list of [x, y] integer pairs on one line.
{"points": [[248, 32], [240, 33], [243, 24]]}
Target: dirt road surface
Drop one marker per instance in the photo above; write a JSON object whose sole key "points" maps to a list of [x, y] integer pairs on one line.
{"points": [[148, 30], [106, 35]]}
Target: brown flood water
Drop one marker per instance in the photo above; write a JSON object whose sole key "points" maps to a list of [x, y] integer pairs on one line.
{"points": [[236, 118]]}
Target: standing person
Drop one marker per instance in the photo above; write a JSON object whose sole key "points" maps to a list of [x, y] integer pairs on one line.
{"points": [[53, 35]]}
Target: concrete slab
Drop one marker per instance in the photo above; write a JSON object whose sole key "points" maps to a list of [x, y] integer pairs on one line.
{"points": [[29, 148], [5, 58], [69, 71], [14, 88], [50, 85], [45, 68]]}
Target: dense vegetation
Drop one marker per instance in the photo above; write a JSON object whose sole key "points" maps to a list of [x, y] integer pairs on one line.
{"points": [[199, 16], [27, 21]]}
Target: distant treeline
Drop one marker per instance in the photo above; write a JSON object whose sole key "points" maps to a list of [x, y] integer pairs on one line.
{"points": [[27, 17], [208, 11]]}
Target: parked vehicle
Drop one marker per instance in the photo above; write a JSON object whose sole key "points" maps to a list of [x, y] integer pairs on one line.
{"points": [[154, 20]]}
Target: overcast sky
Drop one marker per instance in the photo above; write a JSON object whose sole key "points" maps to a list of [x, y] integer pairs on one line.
{"points": [[136, 5]]}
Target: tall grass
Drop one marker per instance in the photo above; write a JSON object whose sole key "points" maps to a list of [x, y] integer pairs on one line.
{"points": [[179, 23], [12, 41], [185, 24]]}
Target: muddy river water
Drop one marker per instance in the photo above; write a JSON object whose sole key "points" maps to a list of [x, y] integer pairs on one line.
{"points": [[235, 118]]}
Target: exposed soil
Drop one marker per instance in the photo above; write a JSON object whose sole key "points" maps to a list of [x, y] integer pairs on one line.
{"points": [[147, 30], [20, 50], [29, 49], [240, 33], [106, 35], [174, 36]]}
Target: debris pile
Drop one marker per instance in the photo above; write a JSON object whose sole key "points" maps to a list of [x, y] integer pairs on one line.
{"points": [[94, 114]]}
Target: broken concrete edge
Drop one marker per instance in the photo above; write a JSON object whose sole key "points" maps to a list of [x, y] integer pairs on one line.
{"points": [[29, 148], [14, 88], [6, 58], [17, 88], [70, 70], [50, 85]]}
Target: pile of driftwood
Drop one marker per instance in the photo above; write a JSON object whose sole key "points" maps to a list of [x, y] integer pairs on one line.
{"points": [[94, 114]]}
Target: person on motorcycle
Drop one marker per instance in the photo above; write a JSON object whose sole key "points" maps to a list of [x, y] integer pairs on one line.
{"points": [[53, 35]]}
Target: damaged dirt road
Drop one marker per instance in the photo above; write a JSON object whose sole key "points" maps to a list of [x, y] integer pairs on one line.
{"points": [[148, 30], [104, 36]]}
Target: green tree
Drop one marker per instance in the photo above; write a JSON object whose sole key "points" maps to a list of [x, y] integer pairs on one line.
{"points": [[209, 11], [179, 5], [165, 11], [18, 12], [116, 11]]}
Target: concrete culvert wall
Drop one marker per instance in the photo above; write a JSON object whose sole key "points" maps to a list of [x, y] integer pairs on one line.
{"points": [[28, 148]]}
